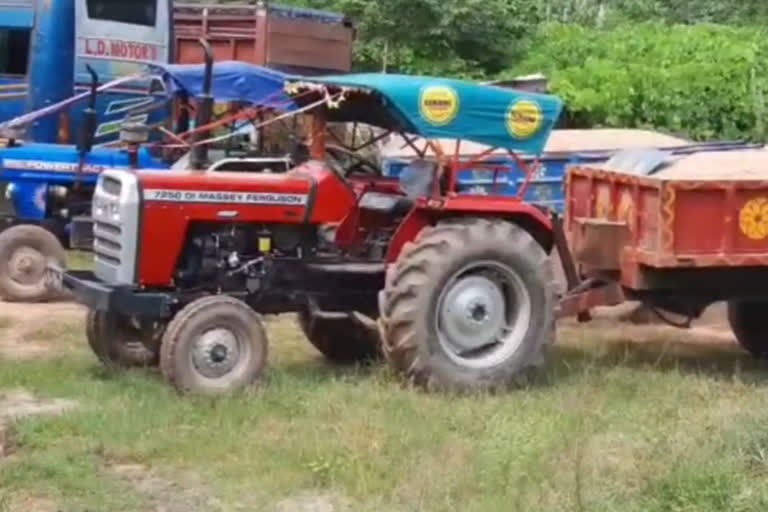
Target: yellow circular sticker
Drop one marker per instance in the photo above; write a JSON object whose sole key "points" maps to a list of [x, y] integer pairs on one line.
{"points": [[524, 119], [753, 218], [439, 104]]}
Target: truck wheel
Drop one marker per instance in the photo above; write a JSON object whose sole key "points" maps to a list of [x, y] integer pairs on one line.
{"points": [[122, 342], [747, 320], [214, 345], [341, 342], [468, 306], [25, 251]]}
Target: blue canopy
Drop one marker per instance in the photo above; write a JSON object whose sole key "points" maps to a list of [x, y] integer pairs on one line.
{"points": [[439, 108], [232, 81]]}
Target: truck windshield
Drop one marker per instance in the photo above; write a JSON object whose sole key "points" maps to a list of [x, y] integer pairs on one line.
{"points": [[14, 51], [135, 12]]}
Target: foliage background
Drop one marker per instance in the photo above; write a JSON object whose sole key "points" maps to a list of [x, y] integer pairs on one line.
{"points": [[690, 67]]}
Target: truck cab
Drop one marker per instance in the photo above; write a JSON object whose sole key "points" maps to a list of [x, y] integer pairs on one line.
{"points": [[46, 46]]}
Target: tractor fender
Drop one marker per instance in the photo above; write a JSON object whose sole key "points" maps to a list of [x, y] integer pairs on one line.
{"points": [[426, 213]]}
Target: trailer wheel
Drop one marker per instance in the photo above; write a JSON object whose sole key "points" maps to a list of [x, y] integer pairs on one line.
{"points": [[215, 345], [747, 320], [25, 251], [122, 342], [468, 306], [341, 342]]}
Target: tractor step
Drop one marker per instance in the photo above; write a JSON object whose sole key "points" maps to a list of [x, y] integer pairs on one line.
{"points": [[360, 319], [348, 268]]}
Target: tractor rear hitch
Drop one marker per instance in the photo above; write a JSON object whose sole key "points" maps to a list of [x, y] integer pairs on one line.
{"points": [[573, 281]]}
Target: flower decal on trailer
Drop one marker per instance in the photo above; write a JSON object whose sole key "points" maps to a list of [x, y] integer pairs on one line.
{"points": [[753, 219]]}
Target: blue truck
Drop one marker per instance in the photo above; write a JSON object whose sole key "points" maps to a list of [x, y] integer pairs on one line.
{"points": [[565, 148]]}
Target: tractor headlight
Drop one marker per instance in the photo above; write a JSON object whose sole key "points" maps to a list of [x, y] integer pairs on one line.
{"points": [[10, 190], [114, 211], [106, 210]]}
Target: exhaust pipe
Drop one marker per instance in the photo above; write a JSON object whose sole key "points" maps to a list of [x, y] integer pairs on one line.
{"points": [[199, 155]]}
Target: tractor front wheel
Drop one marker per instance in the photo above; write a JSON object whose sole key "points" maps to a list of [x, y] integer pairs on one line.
{"points": [[468, 306], [747, 320], [123, 342], [341, 342], [25, 251], [215, 345]]}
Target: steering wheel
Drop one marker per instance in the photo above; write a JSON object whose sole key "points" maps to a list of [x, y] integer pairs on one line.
{"points": [[361, 165]]}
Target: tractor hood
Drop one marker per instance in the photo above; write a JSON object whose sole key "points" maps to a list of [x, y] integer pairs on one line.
{"points": [[59, 163], [308, 193]]}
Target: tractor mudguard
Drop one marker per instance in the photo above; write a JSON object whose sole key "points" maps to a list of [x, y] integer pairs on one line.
{"points": [[427, 212]]}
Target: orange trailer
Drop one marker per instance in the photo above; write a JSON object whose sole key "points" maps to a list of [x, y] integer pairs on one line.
{"points": [[679, 237]]}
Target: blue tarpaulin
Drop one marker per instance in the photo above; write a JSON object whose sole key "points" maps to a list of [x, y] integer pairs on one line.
{"points": [[440, 108], [232, 81]]}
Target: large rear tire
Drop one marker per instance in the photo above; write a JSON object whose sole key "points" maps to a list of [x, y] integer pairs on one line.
{"points": [[123, 342], [749, 325], [341, 342], [215, 345], [468, 306], [25, 252]]}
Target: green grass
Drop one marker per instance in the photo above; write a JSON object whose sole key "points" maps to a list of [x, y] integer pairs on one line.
{"points": [[652, 426]]}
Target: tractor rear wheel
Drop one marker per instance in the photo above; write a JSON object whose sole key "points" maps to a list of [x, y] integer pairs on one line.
{"points": [[25, 251], [468, 306], [215, 345], [341, 342], [123, 342], [747, 320]]}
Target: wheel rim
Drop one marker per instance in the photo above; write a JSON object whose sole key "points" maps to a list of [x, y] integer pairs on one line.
{"points": [[26, 266], [217, 353], [483, 314]]}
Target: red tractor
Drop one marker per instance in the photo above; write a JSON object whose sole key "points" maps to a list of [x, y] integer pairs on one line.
{"points": [[453, 290]]}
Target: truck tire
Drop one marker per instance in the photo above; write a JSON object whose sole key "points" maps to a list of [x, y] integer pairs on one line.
{"points": [[341, 342], [25, 251], [441, 323], [748, 323], [215, 345], [119, 342]]}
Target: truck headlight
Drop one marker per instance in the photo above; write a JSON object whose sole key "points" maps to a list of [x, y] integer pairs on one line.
{"points": [[10, 190]]}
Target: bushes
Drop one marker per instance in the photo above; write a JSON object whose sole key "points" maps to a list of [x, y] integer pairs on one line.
{"points": [[704, 81], [591, 12]]}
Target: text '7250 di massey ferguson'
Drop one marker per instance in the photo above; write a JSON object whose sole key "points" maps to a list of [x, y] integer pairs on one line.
{"points": [[453, 290]]}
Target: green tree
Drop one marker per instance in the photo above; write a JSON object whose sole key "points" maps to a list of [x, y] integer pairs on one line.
{"points": [[470, 38]]}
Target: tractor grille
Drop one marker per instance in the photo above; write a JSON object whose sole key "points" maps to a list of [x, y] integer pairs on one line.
{"points": [[115, 226], [107, 243]]}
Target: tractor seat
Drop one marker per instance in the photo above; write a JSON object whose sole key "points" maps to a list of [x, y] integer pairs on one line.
{"points": [[416, 180], [391, 204]]}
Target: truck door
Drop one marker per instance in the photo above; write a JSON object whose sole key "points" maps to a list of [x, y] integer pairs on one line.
{"points": [[118, 38]]}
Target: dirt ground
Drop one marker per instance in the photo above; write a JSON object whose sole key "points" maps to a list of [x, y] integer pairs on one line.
{"points": [[18, 341]]}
